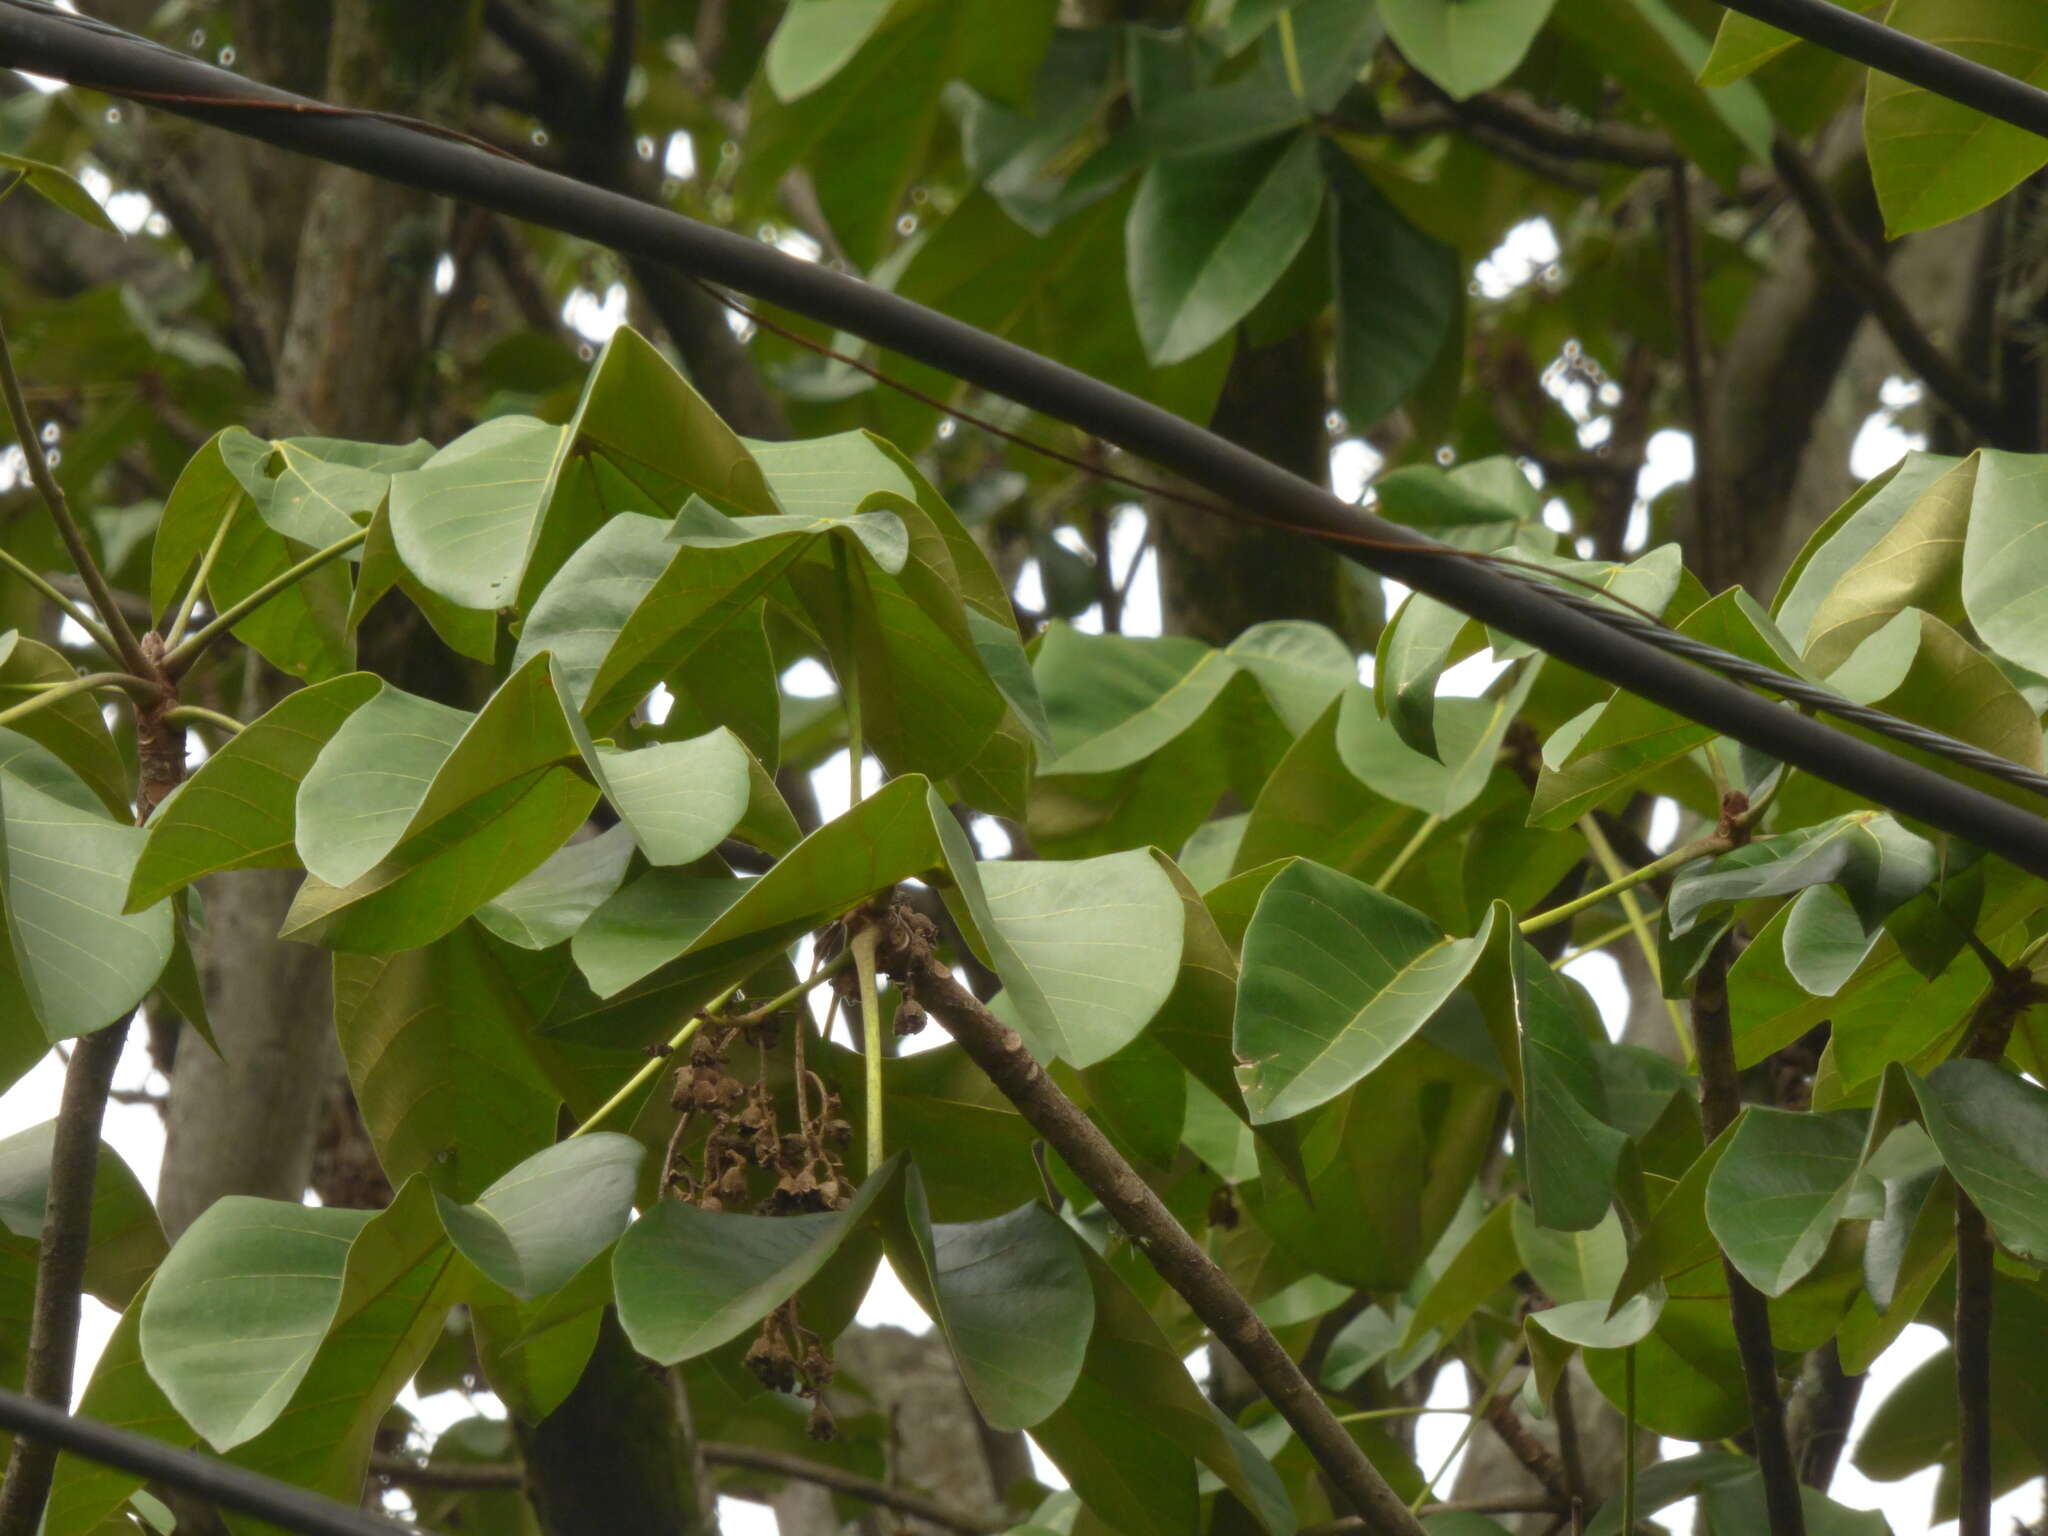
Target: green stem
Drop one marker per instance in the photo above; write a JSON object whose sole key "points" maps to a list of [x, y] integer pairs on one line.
{"points": [[645, 1075], [199, 714], [1290, 55], [863, 947], [179, 660], [816, 979], [87, 683], [68, 608], [1473, 1415], [1396, 1413], [1638, 924], [1627, 880], [190, 601], [1408, 851], [1618, 931], [125, 645]]}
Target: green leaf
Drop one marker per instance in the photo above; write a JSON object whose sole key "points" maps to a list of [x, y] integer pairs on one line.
{"points": [[234, 1318], [2002, 549], [1777, 1192], [550, 904], [56, 185], [1400, 293], [1570, 1152], [1465, 46], [1677, 1237], [127, 1240], [1413, 651], [538, 1225], [443, 1052], [73, 730], [1313, 806], [1210, 234], [1991, 1129], [1825, 940], [1336, 978], [534, 1353], [1112, 701], [1129, 1435], [1300, 667], [1655, 55], [1094, 949], [688, 1280], [1876, 861], [80, 960], [1743, 44], [816, 38], [1468, 733], [1902, 548], [489, 518], [680, 798], [1931, 159], [665, 915], [1014, 1299], [239, 809], [356, 801], [1484, 1262]]}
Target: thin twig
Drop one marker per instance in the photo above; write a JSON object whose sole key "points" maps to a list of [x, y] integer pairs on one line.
{"points": [[182, 619], [1130, 1202], [60, 1269], [199, 714], [88, 683], [1720, 1103], [68, 608], [1953, 385], [1698, 848], [125, 645]]}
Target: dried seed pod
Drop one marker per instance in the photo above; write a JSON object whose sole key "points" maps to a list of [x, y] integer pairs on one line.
{"points": [[910, 1017], [821, 1425]]}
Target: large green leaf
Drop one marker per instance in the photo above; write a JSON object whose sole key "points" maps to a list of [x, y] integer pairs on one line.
{"points": [[815, 39], [1744, 44], [550, 904], [1932, 159], [1897, 544], [1991, 1129], [1400, 292], [688, 1280], [1413, 651], [59, 187], [1131, 1433], [1570, 1150], [1465, 46], [1112, 701], [488, 519], [538, 1225], [1210, 234], [1778, 1190], [234, 1318], [127, 1240], [1468, 736], [2002, 553], [1313, 806], [1014, 1299], [1099, 945], [359, 796], [1336, 977], [680, 798], [79, 959], [1484, 1262], [442, 1048], [239, 809], [533, 1353]]}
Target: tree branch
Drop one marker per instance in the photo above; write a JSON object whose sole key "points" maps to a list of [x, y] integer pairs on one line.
{"points": [[617, 74], [60, 1269], [1529, 125], [1972, 404], [1720, 1103], [126, 646], [1506, 1504], [997, 1050]]}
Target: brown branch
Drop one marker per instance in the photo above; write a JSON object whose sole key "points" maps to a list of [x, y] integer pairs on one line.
{"points": [[1179, 1260], [1531, 126], [1967, 398], [617, 73], [60, 1269], [489, 1475], [1523, 1445], [1441, 119], [1720, 1103]]}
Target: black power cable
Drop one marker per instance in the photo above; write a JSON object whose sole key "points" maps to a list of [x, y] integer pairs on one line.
{"points": [[1905, 57], [218, 1481], [38, 37]]}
